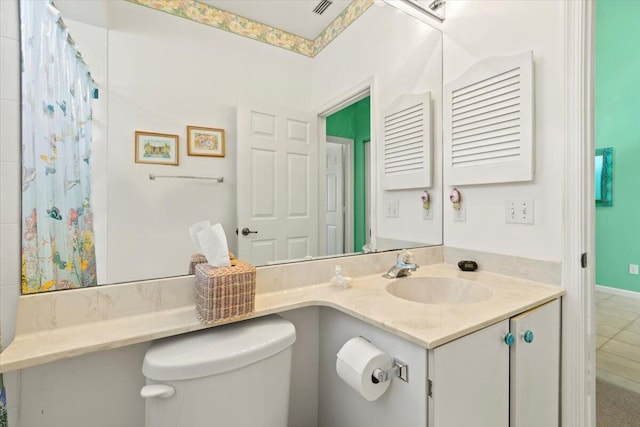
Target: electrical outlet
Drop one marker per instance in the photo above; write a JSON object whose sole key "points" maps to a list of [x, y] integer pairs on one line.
{"points": [[519, 211], [460, 215], [393, 209], [633, 268], [427, 214]]}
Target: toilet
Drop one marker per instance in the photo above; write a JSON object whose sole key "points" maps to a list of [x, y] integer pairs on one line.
{"points": [[235, 375]]}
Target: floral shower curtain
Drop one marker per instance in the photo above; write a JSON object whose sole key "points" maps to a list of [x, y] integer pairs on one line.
{"points": [[57, 90]]}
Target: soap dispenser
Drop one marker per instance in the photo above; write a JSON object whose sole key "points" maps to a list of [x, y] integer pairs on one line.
{"points": [[340, 281]]}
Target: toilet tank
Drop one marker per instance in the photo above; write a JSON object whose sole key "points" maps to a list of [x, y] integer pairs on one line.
{"points": [[235, 375]]}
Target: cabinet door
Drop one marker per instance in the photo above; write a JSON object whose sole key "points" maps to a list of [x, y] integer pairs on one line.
{"points": [[535, 367], [470, 380]]}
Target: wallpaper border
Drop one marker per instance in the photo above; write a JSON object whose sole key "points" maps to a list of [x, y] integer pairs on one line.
{"points": [[236, 24]]}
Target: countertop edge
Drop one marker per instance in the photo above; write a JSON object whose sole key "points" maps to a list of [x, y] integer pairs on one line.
{"points": [[63, 343]]}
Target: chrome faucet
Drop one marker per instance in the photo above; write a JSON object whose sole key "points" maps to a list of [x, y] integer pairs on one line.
{"points": [[403, 266]]}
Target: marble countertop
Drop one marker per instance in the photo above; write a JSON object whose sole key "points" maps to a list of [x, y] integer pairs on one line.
{"points": [[424, 324]]}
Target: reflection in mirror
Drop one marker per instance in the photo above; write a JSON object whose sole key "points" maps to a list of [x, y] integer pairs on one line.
{"points": [[604, 177], [58, 241], [162, 71]]}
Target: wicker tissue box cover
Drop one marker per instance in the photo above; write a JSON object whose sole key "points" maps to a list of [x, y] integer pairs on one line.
{"points": [[195, 260], [224, 293]]}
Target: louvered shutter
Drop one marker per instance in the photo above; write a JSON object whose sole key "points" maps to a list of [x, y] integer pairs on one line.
{"points": [[488, 128], [407, 143]]}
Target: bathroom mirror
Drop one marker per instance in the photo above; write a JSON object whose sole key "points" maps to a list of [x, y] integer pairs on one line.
{"points": [[603, 173], [162, 71]]}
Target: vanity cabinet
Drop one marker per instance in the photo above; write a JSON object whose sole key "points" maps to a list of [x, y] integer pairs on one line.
{"points": [[507, 374]]}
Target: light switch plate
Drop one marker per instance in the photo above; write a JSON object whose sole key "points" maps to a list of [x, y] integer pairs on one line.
{"points": [[519, 211], [633, 268], [392, 209]]}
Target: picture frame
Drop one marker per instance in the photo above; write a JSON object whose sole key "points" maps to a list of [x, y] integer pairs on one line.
{"points": [[203, 141], [603, 174], [157, 148]]}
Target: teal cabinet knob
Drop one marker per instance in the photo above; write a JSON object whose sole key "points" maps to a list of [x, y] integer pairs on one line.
{"points": [[528, 336], [509, 339]]}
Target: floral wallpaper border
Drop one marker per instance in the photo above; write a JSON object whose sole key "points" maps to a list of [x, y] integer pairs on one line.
{"points": [[218, 18]]}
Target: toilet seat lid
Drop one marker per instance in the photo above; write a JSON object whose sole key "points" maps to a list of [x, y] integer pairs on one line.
{"points": [[217, 350]]}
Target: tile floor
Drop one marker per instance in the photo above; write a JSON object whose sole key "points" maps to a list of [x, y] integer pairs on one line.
{"points": [[618, 339]]}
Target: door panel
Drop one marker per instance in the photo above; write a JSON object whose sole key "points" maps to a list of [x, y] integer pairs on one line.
{"points": [[470, 378], [297, 185], [297, 247], [277, 184], [334, 217], [535, 367], [262, 251], [263, 181]]}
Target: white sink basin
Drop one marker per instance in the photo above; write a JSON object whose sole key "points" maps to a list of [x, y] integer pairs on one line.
{"points": [[439, 290]]}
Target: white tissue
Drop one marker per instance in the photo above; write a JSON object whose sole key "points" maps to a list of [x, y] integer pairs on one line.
{"points": [[193, 232], [355, 363], [213, 244]]}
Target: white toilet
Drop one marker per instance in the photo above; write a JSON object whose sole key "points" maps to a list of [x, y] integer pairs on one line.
{"points": [[235, 375]]}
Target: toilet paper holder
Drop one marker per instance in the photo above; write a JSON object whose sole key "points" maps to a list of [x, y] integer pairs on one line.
{"points": [[399, 369]]}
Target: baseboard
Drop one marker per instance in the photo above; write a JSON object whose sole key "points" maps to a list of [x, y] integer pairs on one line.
{"points": [[616, 291]]}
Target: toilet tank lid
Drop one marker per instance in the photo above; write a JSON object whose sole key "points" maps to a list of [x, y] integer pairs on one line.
{"points": [[217, 350]]}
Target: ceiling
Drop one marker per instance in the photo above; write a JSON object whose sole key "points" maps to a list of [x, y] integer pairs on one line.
{"points": [[293, 16]]}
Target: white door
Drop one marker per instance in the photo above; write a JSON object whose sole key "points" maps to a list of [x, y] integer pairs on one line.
{"points": [[470, 380], [335, 198], [535, 367], [277, 184]]}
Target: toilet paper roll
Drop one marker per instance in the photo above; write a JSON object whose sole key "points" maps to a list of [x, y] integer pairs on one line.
{"points": [[355, 363]]}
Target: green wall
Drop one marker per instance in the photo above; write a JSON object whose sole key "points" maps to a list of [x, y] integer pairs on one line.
{"points": [[353, 122], [617, 125]]}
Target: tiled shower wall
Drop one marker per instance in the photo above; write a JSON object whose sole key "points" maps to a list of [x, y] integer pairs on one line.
{"points": [[9, 187]]}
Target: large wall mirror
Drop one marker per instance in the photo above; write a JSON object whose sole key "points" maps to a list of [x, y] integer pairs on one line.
{"points": [[313, 191]]}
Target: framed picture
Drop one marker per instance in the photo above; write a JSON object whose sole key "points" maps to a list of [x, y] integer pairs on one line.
{"points": [[205, 141], [157, 148], [603, 177]]}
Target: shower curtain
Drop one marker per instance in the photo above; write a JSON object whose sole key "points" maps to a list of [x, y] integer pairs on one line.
{"points": [[57, 90]]}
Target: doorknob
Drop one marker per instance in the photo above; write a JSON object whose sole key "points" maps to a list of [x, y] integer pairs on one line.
{"points": [[245, 231]]}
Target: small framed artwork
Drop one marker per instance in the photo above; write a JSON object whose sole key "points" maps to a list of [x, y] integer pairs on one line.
{"points": [[157, 148], [205, 141]]}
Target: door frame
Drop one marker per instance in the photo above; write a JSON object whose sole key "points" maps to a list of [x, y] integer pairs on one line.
{"points": [[578, 348], [356, 93], [347, 171]]}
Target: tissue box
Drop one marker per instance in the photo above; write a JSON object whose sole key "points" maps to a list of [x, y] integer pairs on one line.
{"points": [[195, 260], [225, 293]]}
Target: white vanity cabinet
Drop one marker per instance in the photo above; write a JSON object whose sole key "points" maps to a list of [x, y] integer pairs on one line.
{"points": [[505, 375]]}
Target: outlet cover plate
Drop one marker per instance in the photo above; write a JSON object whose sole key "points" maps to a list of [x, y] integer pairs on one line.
{"points": [[460, 215], [633, 268], [427, 214]]}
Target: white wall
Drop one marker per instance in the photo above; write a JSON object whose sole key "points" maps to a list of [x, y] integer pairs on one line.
{"points": [[404, 56], [475, 30], [166, 73], [9, 187]]}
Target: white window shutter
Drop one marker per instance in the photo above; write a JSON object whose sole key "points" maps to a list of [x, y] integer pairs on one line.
{"points": [[407, 143], [488, 129]]}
